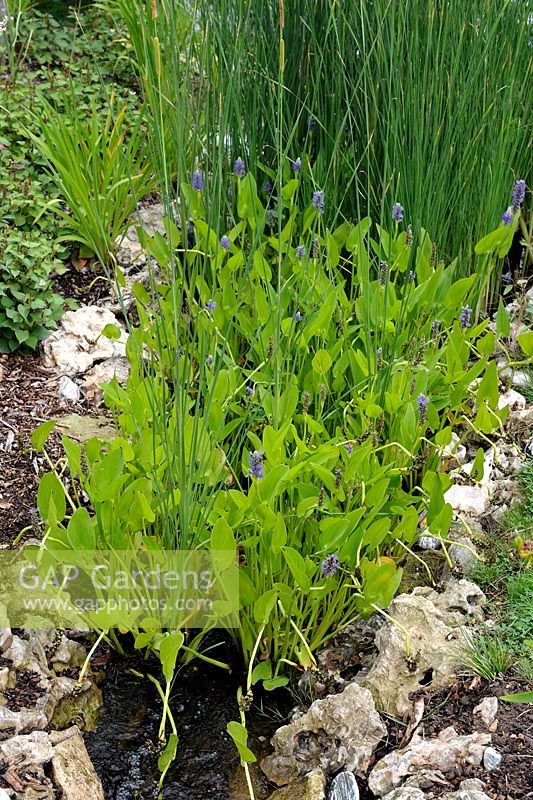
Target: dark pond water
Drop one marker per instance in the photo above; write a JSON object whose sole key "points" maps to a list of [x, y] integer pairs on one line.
{"points": [[203, 702]]}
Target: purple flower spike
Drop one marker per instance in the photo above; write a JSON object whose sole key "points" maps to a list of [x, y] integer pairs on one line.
{"points": [[198, 180], [507, 216], [267, 187], [422, 403], [519, 193], [318, 201], [464, 317], [255, 463], [249, 390], [210, 305], [296, 166], [330, 565], [225, 242], [349, 448], [397, 212], [300, 252], [298, 317], [311, 123], [239, 168]]}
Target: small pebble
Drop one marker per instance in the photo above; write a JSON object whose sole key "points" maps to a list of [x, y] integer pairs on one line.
{"points": [[344, 787], [429, 543], [68, 390], [491, 759], [487, 710]]}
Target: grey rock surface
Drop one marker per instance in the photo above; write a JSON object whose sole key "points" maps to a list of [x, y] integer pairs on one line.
{"points": [[405, 793], [341, 731], [24, 721], [508, 459], [82, 428], [487, 710], [30, 655], [117, 367], [471, 789], [519, 378], [429, 543], [33, 748], [68, 654], [344, 787], [461, 601], [446, 753], [6, 639], [463, 554], [492, 759], [68, 390], [433, 653], [130, 251], [72, 769]]}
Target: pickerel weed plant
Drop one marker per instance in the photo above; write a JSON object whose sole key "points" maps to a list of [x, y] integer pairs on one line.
{"points": [[300, 429], [295, 376]]}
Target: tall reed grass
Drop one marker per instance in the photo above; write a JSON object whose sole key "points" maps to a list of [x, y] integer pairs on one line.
{"points": [[421, 103], [424, 103]]}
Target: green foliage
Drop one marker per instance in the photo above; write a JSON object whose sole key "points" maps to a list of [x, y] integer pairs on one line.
{"points": [[29, 308], [486, 655], [518, 697], [100, 165], [292, 389], [376, 122], [509, 585], [64, 65], [239, 734], [339, 352]]}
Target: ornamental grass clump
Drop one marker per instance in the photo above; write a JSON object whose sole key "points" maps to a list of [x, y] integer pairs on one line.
{"points": [[101, 166]]}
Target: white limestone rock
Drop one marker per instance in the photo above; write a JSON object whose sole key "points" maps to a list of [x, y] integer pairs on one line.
{"points": [[401, 666], [72, 770], [341, 731], [470, 500], [514, 400], [77, 344], [446, 753]]}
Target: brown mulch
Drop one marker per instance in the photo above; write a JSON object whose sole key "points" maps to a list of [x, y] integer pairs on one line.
{"points": [[85, 283], [513, 737], [28, 396], [454, 705], [26, 691]]}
